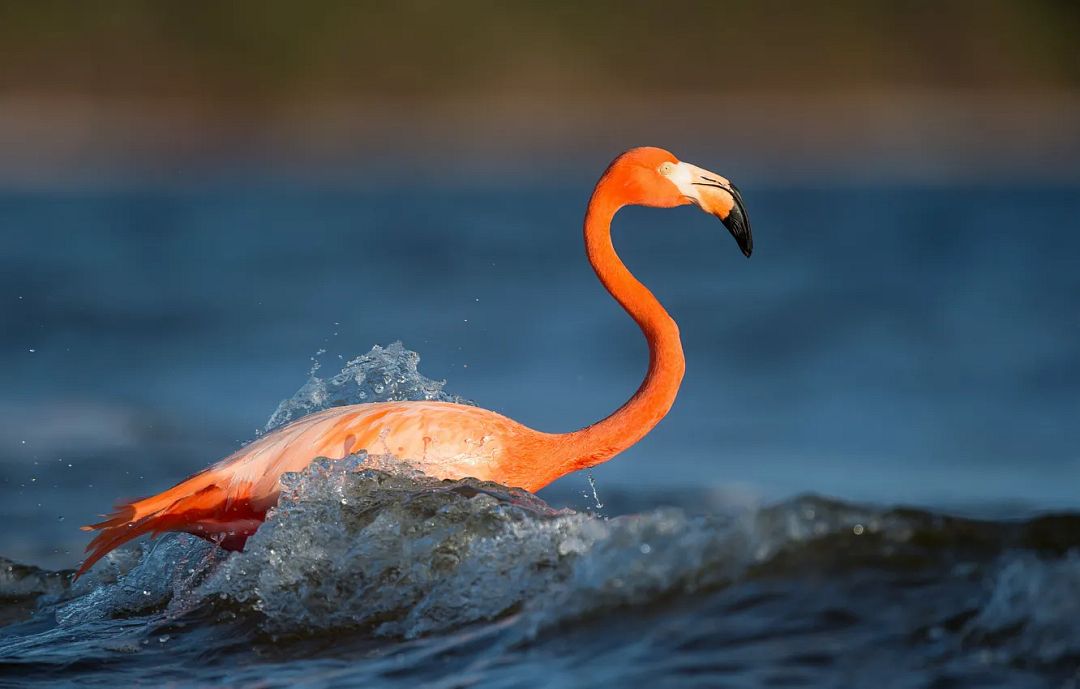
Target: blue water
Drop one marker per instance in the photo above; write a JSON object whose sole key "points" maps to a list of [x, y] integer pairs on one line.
{"points": [[883, 345]]}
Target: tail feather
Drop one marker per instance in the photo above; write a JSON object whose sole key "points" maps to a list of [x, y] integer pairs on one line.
{"points": [[184, 505], [110, 538], [226, 502], [122, 514]]}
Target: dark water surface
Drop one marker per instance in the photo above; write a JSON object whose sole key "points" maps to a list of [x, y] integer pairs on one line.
{"points": [[884, 345]]}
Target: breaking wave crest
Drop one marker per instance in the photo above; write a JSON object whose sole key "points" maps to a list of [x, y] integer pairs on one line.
{"points": [[367, 545], [400, 554], [359, 548]]}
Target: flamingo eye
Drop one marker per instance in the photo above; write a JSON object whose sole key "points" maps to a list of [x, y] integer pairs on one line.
{"points": [[666, 169]]}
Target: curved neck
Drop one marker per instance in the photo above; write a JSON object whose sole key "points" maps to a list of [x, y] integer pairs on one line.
{"points": [[632, 421]]}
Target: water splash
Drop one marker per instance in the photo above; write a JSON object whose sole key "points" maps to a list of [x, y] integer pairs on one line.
{"points": [[349, 546], [382, 375], [592, 488]]}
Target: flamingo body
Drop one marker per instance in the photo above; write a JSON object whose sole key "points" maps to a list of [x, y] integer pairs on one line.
{"points": [[227, 502]]}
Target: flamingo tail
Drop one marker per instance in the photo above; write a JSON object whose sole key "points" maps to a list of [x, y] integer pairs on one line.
{"points": [[188, 506]]}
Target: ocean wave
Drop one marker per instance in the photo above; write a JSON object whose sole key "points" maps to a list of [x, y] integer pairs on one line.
{"points": [[407, 556], [369, 546], [365, 546], [1031, 613]]}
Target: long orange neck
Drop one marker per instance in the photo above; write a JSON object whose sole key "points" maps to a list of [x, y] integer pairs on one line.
{"points": [[632, 421]]}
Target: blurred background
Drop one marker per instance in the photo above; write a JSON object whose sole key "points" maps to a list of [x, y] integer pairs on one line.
{"points": [[198, 200]]}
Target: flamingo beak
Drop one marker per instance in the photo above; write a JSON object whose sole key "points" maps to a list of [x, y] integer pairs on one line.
{"points": [[716, 195]]}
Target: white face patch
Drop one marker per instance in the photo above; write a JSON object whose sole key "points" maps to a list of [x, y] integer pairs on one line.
{"points": [[707, 190], [684, 176]]}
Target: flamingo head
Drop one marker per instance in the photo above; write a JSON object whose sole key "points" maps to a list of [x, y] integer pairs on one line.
{"points": [[654, 177]]}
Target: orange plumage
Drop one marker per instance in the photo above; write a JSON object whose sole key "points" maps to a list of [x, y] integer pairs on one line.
{"points": [[227, 502]]}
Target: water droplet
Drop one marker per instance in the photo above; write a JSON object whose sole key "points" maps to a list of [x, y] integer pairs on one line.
{"points": [[60, 518], [645, 548], [32, 350], [163, 639], [857, 529], [592, 487], [344, 501]]}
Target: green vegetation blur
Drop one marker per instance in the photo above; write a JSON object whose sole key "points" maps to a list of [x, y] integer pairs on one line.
{"points": [[429, 49], [781, 90]]}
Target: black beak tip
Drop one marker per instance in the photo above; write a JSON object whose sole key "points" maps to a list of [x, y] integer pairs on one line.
{"points": [[739, 226]]}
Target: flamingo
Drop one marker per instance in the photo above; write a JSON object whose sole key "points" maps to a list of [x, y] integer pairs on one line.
{"points": [[227, 502]]}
